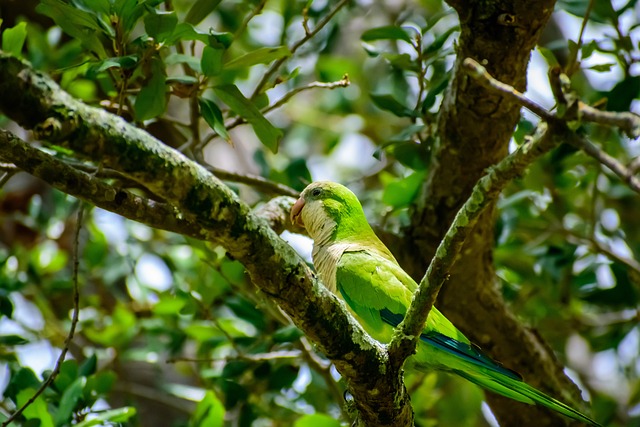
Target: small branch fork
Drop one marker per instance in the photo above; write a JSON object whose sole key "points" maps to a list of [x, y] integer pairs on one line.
{"points": [[550, 133]]}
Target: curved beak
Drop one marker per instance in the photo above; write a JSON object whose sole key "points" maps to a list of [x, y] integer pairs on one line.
{"points": [[296, 210]]}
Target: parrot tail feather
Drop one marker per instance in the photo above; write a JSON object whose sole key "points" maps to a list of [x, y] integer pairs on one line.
{"points": [[522, 392]]}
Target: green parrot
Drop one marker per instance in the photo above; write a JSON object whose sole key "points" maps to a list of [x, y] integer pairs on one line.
{"points": [[354, 264]]}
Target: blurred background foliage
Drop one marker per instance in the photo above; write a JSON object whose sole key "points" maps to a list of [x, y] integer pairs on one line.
{"points": [[170, 330]]}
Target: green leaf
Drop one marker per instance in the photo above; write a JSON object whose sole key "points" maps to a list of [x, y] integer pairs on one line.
{"points": [[67, 375], [622, 295], [548, 56], [316, 420], [200, 10], [37, 409], [12, 340], [602, 11], [75, 22], [588, 49], [601, 67], [192, 61], [89, 366], [6, 306], [99, 385], [129, 12], [169, 306], [160, 24], [208, 413], [213, 116], [69, 401], [211, 61], [125, 62], [186, 31], [23, 379], [13, 39], [289, 333], [111, 416], [411, 154], [622, 94], [389, 103], [220, 40], [401, 193], [389, 32], [430, 98], [268, 134], [151, 100], [262, 55], [68, 16], [283, 377], [402, 61], [437, 44], [96, 6]]}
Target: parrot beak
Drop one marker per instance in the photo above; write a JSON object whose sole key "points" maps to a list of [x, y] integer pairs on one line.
{"points": [[296, 210]]}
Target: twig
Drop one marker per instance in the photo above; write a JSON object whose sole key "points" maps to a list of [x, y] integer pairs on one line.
{"points": [[628, 122], [603, 248], [573, 61], [255, 181], [255, 11], [72, 329], [261, 357], [480, 73], [421, 75], [613, 164], [308, 35], [344, 82]]}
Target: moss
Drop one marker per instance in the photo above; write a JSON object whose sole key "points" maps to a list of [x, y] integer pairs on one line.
{"points": [[198, 202]]}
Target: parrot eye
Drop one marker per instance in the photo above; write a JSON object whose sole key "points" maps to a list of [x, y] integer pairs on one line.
{"points": [[316, 192]]}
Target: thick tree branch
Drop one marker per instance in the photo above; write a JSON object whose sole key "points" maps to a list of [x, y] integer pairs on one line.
{"points": [[33, 100]]}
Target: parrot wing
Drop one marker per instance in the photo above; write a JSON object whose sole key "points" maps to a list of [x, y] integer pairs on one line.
{"points": [[380, 292]]}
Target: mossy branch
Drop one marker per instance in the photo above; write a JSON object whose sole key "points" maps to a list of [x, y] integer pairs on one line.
{"points": [[196, 201], [484, 193]]}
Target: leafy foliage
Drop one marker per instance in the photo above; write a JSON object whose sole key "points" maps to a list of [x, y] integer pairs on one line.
{"points": [[172, 332]]}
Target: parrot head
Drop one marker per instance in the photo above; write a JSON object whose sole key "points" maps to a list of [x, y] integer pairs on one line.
{"points": [[327, 209]]}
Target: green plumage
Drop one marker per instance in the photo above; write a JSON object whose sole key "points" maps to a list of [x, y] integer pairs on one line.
{"points": [[356, 265]]}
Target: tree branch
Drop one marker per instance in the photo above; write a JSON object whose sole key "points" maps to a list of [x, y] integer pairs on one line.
{"points": [[35, 101], [628, 122], [485, 192], [480, 73], [255, 181], [624, 173]]}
